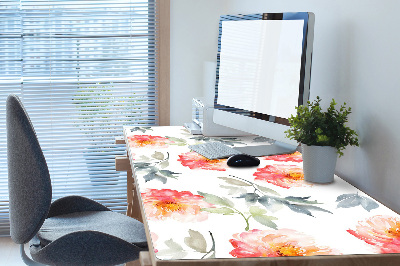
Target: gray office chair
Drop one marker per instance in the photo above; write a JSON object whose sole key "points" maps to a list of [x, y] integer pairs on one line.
{"points": [[70, 231]]}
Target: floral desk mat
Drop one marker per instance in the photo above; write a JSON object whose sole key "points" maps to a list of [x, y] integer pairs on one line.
{"points": [[198, 208]]}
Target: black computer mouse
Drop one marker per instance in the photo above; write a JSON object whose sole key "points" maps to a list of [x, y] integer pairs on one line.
{"points": [[242, 160]]}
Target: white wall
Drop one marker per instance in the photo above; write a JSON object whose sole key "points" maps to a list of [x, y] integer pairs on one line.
{"points": [[194, 41], [356, 60]]}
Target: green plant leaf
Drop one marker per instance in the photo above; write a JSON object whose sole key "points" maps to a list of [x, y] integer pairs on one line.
{"points": [[368, 204], [235, 182], [158, 155], [312, 126], [316, 208], [348, 200], [299, 209], [177, 141], [169, 173], [267, 190], [173, 245], [154, 176], [234, 190], [144, 158], [141, 166], [301, 200], [250, 197], [222, 210], [266, 220], [175, 251], [271, 204], [305, 209], [213, 199], [164, 164], [254, 210], [353, 200], [196, 241], [211, 256], [344, 196]]}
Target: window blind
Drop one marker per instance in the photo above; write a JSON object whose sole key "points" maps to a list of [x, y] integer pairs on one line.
{"points": [[83, 69]]}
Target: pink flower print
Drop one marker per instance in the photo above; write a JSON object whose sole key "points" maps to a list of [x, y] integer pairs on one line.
{"points": [[380, 231], [294, 157], [276, 243], [137, 141], [193, 160], [161, 204], [154, 238], [285, 176]]}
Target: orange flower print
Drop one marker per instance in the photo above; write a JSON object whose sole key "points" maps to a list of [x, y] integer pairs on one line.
{"points": [[285, 176], [161, 204], [294, 157], [275, 243], [137, 141], [193, 160], [380, 231]]}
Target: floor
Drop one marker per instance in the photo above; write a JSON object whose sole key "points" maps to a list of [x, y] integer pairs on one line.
{"points": [[9, 253]]}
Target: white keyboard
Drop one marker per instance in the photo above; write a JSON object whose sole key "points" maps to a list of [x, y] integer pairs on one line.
{"points": [[214, 150]]}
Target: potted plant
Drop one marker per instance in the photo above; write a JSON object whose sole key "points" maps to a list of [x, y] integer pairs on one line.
{"points": [[323, 135]]}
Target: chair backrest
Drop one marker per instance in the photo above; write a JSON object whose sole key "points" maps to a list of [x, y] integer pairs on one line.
{"points": [[29, 183]]}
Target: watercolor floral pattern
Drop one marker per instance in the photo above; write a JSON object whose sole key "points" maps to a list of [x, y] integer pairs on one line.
{"points": [[269, 199], [200, 209], [138, 141], [380, 231], [154, 238], [193, 160], [154, 167], [161, 204], [285, 176], [294, 157], [276, 243], [195, 241]]}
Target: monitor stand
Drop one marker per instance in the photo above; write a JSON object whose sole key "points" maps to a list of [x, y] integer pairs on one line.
{"points": [[265, 150]]}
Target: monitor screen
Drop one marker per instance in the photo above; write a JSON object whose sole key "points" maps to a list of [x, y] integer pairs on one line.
{"points": [[263, 71]]}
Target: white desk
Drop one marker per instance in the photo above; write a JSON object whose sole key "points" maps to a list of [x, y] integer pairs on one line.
{"points": [[203, 212]]}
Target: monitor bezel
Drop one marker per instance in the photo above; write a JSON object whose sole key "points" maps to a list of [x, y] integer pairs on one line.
{"points": [[305, 70]]}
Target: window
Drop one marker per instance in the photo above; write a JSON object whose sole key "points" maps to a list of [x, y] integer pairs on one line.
{"points": [[83, 69]]}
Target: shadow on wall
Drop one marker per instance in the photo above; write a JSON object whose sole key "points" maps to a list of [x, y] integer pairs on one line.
{"points": [[373, 162]]}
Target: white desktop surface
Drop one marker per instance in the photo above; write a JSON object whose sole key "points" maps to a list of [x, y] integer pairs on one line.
{"points": [[201, 209]]}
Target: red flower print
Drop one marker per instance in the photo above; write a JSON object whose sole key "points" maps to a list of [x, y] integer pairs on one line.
{"points": [[193, 160], [275, 243], [294, 157], [137, 141], [285, 176], [380, 231], [160, 204]]}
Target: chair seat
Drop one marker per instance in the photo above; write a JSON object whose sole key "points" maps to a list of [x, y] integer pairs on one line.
{"points": [[108, 222]]}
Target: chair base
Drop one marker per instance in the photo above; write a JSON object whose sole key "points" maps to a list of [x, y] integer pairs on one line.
{"points": [[26, 259]]}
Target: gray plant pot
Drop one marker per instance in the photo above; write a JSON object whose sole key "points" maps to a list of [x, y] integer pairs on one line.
{"points": [[319, 163]]}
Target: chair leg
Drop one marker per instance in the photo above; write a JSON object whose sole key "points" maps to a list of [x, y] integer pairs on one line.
{"points": [[26, 259]]}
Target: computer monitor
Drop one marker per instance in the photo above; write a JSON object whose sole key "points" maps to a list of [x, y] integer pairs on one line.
{"points": [[263, 73]]}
